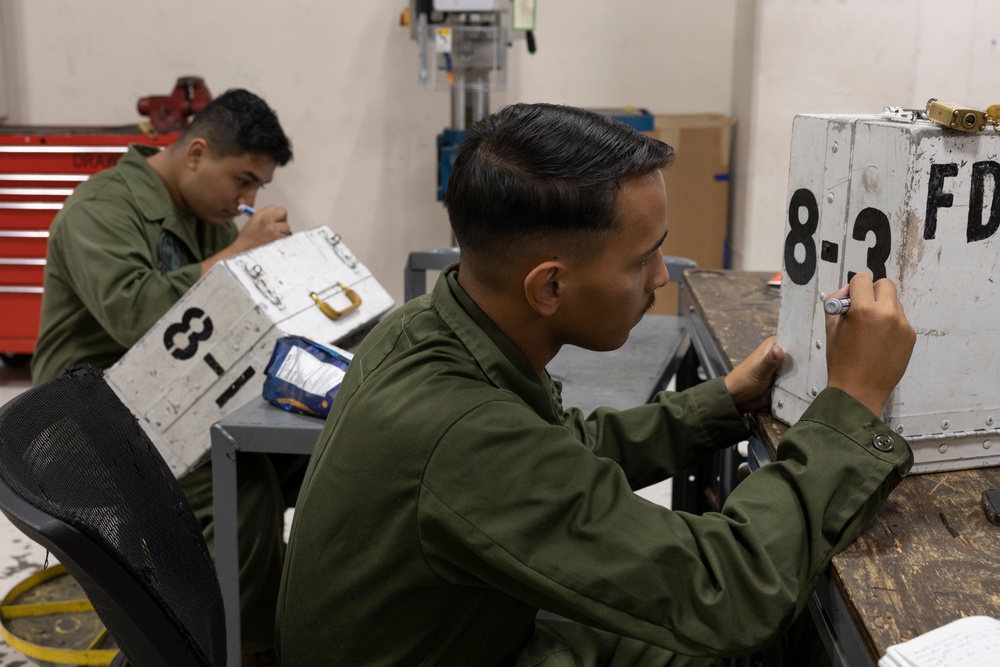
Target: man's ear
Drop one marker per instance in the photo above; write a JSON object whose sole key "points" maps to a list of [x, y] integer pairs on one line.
{"points": [[543, 288], [196, 152]]}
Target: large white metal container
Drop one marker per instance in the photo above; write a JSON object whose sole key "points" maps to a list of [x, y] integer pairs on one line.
{"points": [[206, 356], [920, 204]]}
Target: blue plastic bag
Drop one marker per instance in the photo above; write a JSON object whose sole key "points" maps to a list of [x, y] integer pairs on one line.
{"points": [[303, 376]]}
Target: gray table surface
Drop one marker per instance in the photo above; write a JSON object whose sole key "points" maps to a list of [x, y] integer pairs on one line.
{"points": [[620, 379]]}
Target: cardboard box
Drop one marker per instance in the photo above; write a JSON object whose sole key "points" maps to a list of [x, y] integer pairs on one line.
{"points": [[920, 204], [697, 193], [206, 356]]}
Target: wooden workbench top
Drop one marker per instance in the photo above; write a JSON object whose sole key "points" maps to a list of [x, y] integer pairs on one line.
{"points": [[930, 556]]}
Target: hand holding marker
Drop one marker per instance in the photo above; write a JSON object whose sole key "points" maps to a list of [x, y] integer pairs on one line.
{"points": [[250, 212]]}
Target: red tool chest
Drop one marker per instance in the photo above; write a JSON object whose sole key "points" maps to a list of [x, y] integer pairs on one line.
{"points": [[39, 167]]}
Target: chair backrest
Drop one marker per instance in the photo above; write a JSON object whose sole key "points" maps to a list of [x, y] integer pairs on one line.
{"points": [[79, 476]]}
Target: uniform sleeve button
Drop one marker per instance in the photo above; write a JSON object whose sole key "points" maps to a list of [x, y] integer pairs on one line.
{"points": [[882, 442]]}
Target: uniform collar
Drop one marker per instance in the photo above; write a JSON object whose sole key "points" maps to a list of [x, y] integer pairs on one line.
{"points": [[496, 354], [153, 198]]}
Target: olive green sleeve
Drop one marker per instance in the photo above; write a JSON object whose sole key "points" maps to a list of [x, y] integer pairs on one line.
{"points": [[105, 251], [531, 511], [660, 439]]}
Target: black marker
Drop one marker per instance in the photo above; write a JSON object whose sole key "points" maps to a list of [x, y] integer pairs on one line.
{"points": [[838, 305]]}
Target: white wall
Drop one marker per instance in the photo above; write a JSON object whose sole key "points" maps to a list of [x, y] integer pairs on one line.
{"points": [[842, 56], [665, 56], [342, 77], [5, 42], [343, 80], [744, 89]]}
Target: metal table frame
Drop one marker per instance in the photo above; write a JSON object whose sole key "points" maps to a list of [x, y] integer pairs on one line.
{"points": [[704, 362], [256, 427]]}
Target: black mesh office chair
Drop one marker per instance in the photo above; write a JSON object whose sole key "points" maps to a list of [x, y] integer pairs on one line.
{"points": [[79, 476]]}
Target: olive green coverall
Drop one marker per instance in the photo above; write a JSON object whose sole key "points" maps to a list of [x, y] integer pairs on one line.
{"points": [[451, 496], [120, 254]]}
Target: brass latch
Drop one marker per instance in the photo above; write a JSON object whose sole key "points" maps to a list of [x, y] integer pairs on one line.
{"points": [[332, 312]]}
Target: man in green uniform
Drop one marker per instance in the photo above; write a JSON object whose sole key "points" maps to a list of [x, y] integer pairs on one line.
{"points": [[127, 244], [451, 496]]}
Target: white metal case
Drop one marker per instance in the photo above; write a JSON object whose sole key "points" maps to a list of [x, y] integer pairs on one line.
{"points": [[206, 356], [920, 204]]}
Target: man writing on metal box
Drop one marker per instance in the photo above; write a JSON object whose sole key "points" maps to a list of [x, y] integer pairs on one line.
{"points": [[451, 495]]}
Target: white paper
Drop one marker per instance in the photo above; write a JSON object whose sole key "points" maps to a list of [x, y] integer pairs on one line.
{"points": [[309, 373], [973, 641]]}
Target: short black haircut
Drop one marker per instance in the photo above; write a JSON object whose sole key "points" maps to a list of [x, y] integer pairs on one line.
{"points": [[238, 122], [534, 171]]}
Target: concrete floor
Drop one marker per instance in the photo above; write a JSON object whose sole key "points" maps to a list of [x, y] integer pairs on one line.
{"points": [[19, 556]]}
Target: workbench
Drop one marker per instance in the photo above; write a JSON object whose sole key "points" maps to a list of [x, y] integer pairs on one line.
{"points": [[928, 558]]}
